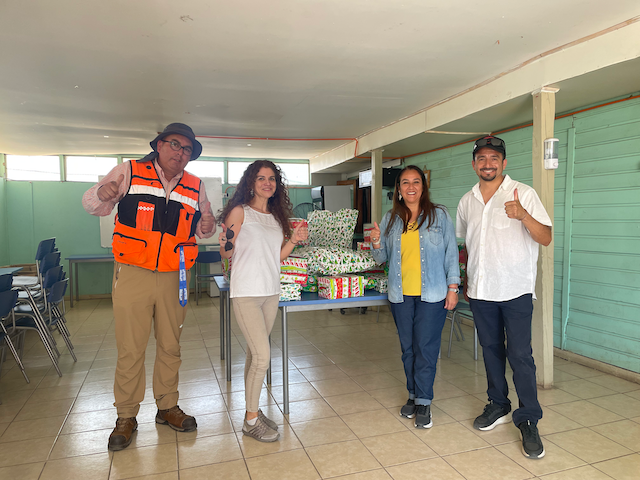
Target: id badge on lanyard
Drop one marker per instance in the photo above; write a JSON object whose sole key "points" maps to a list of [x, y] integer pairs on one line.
{"points": [[184, 292]]}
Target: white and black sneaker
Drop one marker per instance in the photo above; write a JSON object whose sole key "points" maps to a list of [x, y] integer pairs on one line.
{"points": [[408, 410], [531, 442], [423, 416], [492, 416]]}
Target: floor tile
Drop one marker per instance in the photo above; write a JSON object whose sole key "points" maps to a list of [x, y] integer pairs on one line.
{"points": [[554, 422], [376, 381], [620, 404], [625, 432], [206, 450], [390, 397], [553, 396], [623, 468], [307, 410], [506, 433], [26, 451], [322, 373], [579, 370], [353, 403], [297, 391], [398, 448], [30, 429], [342, 458], [461, 408], [585, 413], [136, 462], [323, 431], [555, 460], [588, 445], [450, 438], [29, 471], [616, 384], [580, 473], [486, 464], [376, 422], [292, 465], [234, 470], [584, 388], [435, 468], [78, 468], [42, 410], [368, 475], [337, 386]]}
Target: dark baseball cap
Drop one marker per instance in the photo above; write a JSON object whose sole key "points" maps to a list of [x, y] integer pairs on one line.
{"points": [[492, 142], [180, 129]]}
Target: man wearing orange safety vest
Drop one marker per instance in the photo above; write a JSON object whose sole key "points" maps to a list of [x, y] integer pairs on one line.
{"points": [[161, 209]]}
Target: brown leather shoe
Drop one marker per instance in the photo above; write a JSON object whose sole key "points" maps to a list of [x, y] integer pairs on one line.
{"points": [[177, 419], [122, 435]]}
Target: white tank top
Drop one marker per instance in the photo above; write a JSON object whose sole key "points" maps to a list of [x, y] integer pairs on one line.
{"points": [[255, 263]]}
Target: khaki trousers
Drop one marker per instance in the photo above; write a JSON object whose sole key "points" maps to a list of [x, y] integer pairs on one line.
{"points": [[142, 299], [255, 317]]}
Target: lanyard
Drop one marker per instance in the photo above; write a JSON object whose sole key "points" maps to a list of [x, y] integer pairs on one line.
{"points": [[184, 293]]}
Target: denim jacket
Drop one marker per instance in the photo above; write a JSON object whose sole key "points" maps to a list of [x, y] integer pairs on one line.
{"points": [[438, 255]]}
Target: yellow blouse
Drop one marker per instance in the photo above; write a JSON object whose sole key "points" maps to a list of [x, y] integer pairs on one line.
{"points": [[410, 255]]}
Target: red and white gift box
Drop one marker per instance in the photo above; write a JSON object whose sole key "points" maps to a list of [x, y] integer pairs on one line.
{"points": [[341, 287]]}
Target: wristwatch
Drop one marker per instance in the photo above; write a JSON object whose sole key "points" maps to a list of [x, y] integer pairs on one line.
{"points": [[456, 290]]}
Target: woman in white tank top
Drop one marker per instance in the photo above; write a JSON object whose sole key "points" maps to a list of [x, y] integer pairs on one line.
{"points": [[255, 225]]}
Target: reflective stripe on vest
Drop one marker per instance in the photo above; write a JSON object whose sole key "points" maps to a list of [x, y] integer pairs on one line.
{"points": [[149, 228]]}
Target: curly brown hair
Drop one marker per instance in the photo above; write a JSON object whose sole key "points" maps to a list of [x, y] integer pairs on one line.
{"points": [[279, 204], [400, 209]]}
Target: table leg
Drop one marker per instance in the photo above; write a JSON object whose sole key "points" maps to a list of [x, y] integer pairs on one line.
{"points": [[228, 334], [269, 369], [70, 284], [285, 362], [222, 321], [77, 288]]}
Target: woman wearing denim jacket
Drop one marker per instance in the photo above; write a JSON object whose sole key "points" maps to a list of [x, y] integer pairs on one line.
{"points": [[418, 241]]}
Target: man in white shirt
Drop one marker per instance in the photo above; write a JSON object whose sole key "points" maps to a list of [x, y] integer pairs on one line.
{"points": [[503, 222]]}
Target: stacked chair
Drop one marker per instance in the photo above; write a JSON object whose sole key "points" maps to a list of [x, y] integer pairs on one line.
{"points": [[8, 300], [40, 303]]}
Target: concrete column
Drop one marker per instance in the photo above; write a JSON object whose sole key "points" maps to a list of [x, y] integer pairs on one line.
{"points": [[376, 185], [544, 106]]}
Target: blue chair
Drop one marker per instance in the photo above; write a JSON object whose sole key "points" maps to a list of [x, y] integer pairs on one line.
{"points": [[6, 282], [8, 299], [205, 258]]}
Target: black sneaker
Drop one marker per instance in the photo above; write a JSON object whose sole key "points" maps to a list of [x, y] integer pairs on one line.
{"points": [[531, 443], [492, 416], [408, 410], [423, 416]]}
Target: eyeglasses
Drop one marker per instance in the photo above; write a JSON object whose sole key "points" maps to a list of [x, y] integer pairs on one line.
{"points": [[492, 141], [175, 146]]}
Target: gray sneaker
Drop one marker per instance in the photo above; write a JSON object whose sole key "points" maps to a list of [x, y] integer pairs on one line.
{"points": [[260, 431], [270, 423], [423, 416], [408, 410]]}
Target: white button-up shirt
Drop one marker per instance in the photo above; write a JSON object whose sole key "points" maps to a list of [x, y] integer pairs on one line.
{"points": [[502, 256]]}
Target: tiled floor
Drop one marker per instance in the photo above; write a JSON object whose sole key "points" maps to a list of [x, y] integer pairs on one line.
{"points": [[347, 385]]}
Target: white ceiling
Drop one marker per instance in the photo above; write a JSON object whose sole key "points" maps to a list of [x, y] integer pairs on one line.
{"points": [[74, 73]]}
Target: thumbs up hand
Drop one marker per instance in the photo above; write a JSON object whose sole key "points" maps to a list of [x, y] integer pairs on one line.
{"points": [[207, 221], [375, 236], [111, 190], [514, 209]]}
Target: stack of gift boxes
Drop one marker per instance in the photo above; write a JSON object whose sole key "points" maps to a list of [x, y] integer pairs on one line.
{"points": [[293, 276]]}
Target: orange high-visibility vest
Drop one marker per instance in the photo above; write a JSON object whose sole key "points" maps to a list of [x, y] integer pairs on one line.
{"points": [[149, 229]]}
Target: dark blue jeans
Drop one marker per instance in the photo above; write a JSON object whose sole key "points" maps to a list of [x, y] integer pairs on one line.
{"points": [[513, 317], [419, 328]]}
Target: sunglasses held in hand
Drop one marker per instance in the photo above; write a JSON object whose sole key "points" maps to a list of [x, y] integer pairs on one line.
{"points": [[229, 246]]}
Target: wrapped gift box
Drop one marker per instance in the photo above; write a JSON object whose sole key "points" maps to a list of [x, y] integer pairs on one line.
{"points": [[377, 281], [341, 287], [364, 245], [336, 260], [290, 292], [312, 284], [293, 278], [295, 265], [331, 229]]}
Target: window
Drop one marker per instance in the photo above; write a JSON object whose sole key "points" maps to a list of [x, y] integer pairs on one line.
{"points": [[43, 168], [87, 169], [235, 171], [204, 169], [295, 173]]}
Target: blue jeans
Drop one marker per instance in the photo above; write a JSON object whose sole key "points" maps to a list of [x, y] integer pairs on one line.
{"points": [[492, 320], [420, 329]]}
